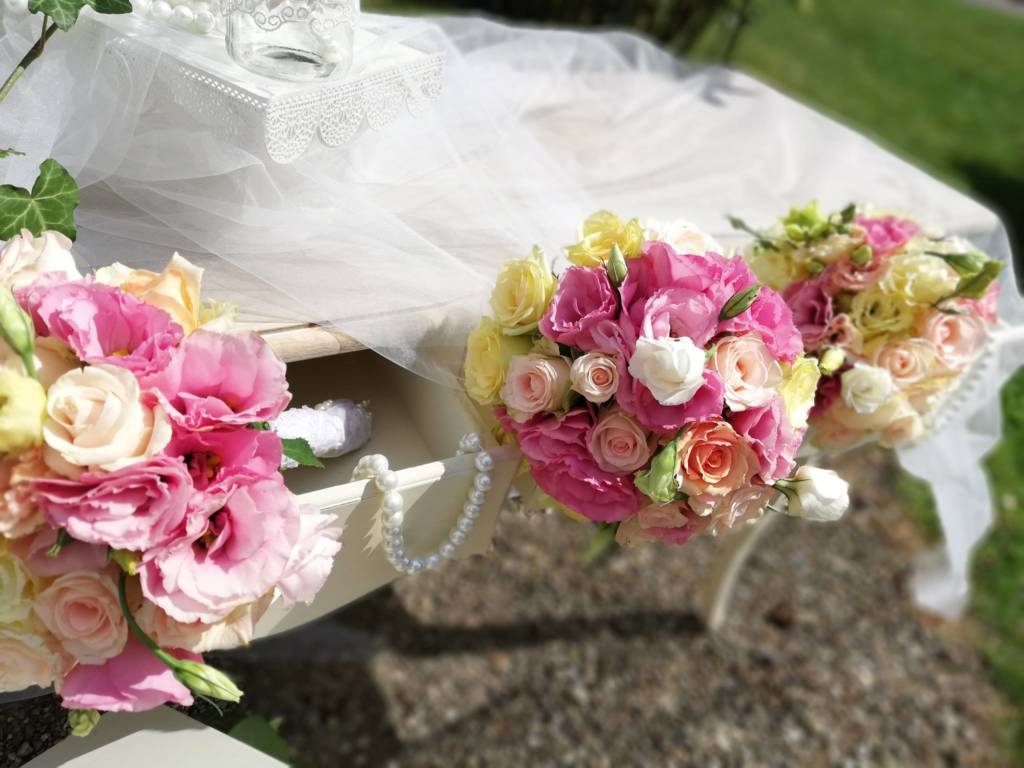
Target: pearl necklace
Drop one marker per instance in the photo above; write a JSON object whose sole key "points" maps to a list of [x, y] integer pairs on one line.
{"points": [[392, 509], [197, 16]]}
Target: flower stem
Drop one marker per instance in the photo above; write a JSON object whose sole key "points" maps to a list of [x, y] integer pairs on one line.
{"points": [[136, 630], [33, 53]]}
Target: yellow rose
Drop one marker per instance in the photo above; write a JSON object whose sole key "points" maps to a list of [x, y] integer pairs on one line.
{"points": [[877, 311], [773, 268], [920, 278], [15, 590], [523, 293], [175, 290], [22, 409], [488, 351], [799, 384], [597, 236]]}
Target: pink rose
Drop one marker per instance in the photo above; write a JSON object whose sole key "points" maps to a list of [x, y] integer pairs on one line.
{"points": [[772, 438], [312, 557], [887, 234], [583, 300], [618, 444], [771, 319], [19, 511], [546, 439], [849, 276], [136, 508], [671, 524], [237, 545], [714, 459], [73, 556], [82, 611], [750, 374], [588, 490], [102, 324], [210, 457], [595, 375], [662, 516], [215, 380], [636, 399], [133, 681], [535, 384], [987, 307], [812, 309], [957, 338]]}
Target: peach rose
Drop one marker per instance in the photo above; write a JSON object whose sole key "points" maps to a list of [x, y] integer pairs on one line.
{"points": [[96, 419], [595, 376], [19, 513], [232, 632], [744, 505], [618, 444], [26, 659], [957, 338], [535, 384], [713, 459], [81, 610], [908, 361], [174, 290], [749, 371], [661, 516]]}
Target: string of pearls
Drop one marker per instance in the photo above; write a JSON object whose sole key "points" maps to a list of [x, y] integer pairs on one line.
{"points": [[375, 467], [198, 16]]}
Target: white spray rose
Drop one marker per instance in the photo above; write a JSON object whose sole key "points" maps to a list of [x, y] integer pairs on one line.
{"points": [[24, 258], [673, 369], [866, 388], [816, 494], [683, 236]]}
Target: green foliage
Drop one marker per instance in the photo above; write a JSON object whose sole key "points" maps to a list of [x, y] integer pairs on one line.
{"points": [[65, 12], [659, 482], [10, 152], [50, 204], [298, 450], [259, 734]]}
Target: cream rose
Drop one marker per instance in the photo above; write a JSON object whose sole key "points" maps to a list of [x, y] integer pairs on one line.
{"points": [[536, 384], [19, 513], [714, 460], [904, 430], [26, 659], [82, 611], [671, 368], [920, 278], [96, 419], [175, 290], [15, 590], [908, 361], [744, 505], [683, 236], [488, 351], [24, 258], [232, 632], [875, 312], [865, 388], [618, 444], [522, 293], [798, 388], [749, 371], [957, 338], [595, 375], [52, 358]]}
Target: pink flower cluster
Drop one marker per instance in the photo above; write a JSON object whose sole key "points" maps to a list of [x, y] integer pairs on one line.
{"points": [[153, 460], [654, 402]]}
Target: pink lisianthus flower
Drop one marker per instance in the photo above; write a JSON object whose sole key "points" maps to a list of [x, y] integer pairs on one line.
{"points": [[312, 557], [585, 488], [680, 312], [887, 234], [214, 380], [636, 399], [812, 309], [772, 320], [774, 441], [236, 546], [546, 439], [73, 556], [829, 390], [210, 457], [102, 324], [136, 508], [133, 681], [584, 300]]}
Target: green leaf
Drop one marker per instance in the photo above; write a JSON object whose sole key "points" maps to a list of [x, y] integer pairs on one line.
{"points": [[601, 540], [8, 152], [848, 213], [965, 264], [762, 239], [659, 482], [50, 204], [974, 287], [740, 302], [63, 12], [111, 6], [298, 450], [259, 734], [260, 426]]}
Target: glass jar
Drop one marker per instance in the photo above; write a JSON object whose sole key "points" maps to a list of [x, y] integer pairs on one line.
{"points": [[292, 39]]}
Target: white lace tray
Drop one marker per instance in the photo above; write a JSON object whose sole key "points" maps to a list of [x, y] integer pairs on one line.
{"points": [[283, 118]]}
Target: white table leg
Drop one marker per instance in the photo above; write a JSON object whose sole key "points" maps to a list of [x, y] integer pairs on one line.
{"points": [[717, 591]]}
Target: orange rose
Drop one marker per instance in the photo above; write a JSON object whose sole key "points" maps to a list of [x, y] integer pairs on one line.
{"points": [[713, 459]]}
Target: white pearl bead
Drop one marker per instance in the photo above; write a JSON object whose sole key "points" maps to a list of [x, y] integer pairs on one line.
{"points": [[465, 524], [477, 497], [160, 10], [457, 538], [387, 480], [471, 443], [396, 519], [484, 462], [447, 550], [393, 502], [482, 482], [415, 566], [470, 510], [183, 16], [205, 22], [433, 562], [378, 464]]}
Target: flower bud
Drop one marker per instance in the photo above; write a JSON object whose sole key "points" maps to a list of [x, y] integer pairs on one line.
{"points": [[204, 680], [739, 303], [126, 560], [16, 329], [616, 266], [815, 494], [82, 721], [832, 360], [862, 255], [795, 232], [660, 483]]}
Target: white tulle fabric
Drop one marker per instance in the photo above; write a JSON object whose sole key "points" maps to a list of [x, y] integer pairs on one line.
{"points": [[395, 237]]}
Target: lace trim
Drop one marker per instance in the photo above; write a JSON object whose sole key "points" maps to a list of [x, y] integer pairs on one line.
{"points": [[323, 16]]}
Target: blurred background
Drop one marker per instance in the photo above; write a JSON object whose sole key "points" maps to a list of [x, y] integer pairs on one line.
{"points": [[536, 656]]}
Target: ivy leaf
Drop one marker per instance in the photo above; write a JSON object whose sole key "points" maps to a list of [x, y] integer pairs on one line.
{"points": [[299, 451], [111, 6], [9, 152], [50, 204], [63, 12]]}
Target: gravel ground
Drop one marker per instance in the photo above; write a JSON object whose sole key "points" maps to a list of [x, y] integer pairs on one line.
{"points": [[531, 658]]}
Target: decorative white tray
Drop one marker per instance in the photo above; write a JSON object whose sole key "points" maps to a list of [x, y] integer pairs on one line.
{"points": [[282, 118]]}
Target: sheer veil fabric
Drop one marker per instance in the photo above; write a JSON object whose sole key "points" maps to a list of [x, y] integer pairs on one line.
{"points": [[395, 238]]}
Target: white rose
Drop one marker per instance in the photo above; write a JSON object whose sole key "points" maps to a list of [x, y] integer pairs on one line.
{"points": [[866, 388], [24, 258], [595, 376], [683, 236], [25, 660], [750, 373], [816, 494], [673, 369], [96, 419]]}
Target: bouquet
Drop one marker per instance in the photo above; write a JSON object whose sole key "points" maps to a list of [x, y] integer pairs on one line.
{"points": [[143, 519], [654, 386], [893, 315]]}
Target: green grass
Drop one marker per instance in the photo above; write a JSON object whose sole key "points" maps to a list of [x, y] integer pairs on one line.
{"points": [[940, 82]]}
